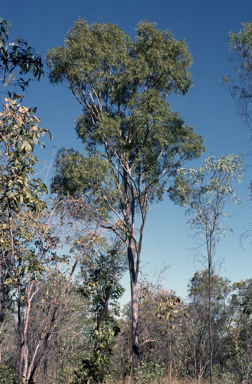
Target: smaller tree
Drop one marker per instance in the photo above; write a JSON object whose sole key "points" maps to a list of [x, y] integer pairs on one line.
{"points": [[197, 330], [205, 193], [169, 309], [102, 267]]}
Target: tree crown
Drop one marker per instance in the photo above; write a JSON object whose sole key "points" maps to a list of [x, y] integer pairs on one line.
{"points": [[122, 86]]}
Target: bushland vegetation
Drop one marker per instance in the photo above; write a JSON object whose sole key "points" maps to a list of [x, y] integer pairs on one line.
{"points": [[63, 252]]}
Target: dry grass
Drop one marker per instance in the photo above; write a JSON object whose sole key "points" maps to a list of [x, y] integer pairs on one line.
{"points": [[165, 380]]}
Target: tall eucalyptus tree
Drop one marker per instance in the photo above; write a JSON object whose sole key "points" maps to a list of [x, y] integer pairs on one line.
{"points": [[134, 143]]}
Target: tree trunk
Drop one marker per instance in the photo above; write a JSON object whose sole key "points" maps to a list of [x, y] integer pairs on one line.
{"points": [[170, 359], [20, 335], [200, 369], [195, 363], [210, 319], [134, 308], [135, 330], [1, 293]]}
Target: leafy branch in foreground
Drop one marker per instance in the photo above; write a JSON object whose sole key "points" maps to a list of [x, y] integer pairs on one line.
{"points": [[32, 234], [17, 54]]}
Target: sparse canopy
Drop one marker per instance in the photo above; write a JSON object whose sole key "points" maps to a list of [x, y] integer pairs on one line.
{"points": [[206, 191], [240, 88]]}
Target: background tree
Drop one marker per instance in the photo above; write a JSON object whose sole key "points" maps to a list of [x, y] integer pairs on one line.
{"points": [[159, 330], [241, 332], [169, 309], [127, 123], [196, 331], [150, 327], [205, 193], [240, 88]]}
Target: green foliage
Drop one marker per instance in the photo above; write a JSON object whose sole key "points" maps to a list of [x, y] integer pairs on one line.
{"points": [[152, 372], [168, 307], [101, 270], [196, 338], [17, 54], [239, 346], [7, 375], [85, 177], [96, 361], [224, 378], [20, 195], [105, 52], [245, 294], [199, 285], [122, 86], [19, 135], [102, 267], [26, 244]]}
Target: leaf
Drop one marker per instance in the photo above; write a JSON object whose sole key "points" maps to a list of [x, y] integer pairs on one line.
{"points": [[28, 147]]}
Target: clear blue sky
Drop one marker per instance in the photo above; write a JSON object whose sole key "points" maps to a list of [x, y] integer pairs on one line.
{"points": [[205, 25]]}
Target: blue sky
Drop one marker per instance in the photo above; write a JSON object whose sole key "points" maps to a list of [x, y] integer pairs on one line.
{"points": [[205, 25]]}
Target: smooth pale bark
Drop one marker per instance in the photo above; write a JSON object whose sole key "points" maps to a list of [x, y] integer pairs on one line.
{"points": [[135, 329], [134, 308], [134, 260], [210, 241]]}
